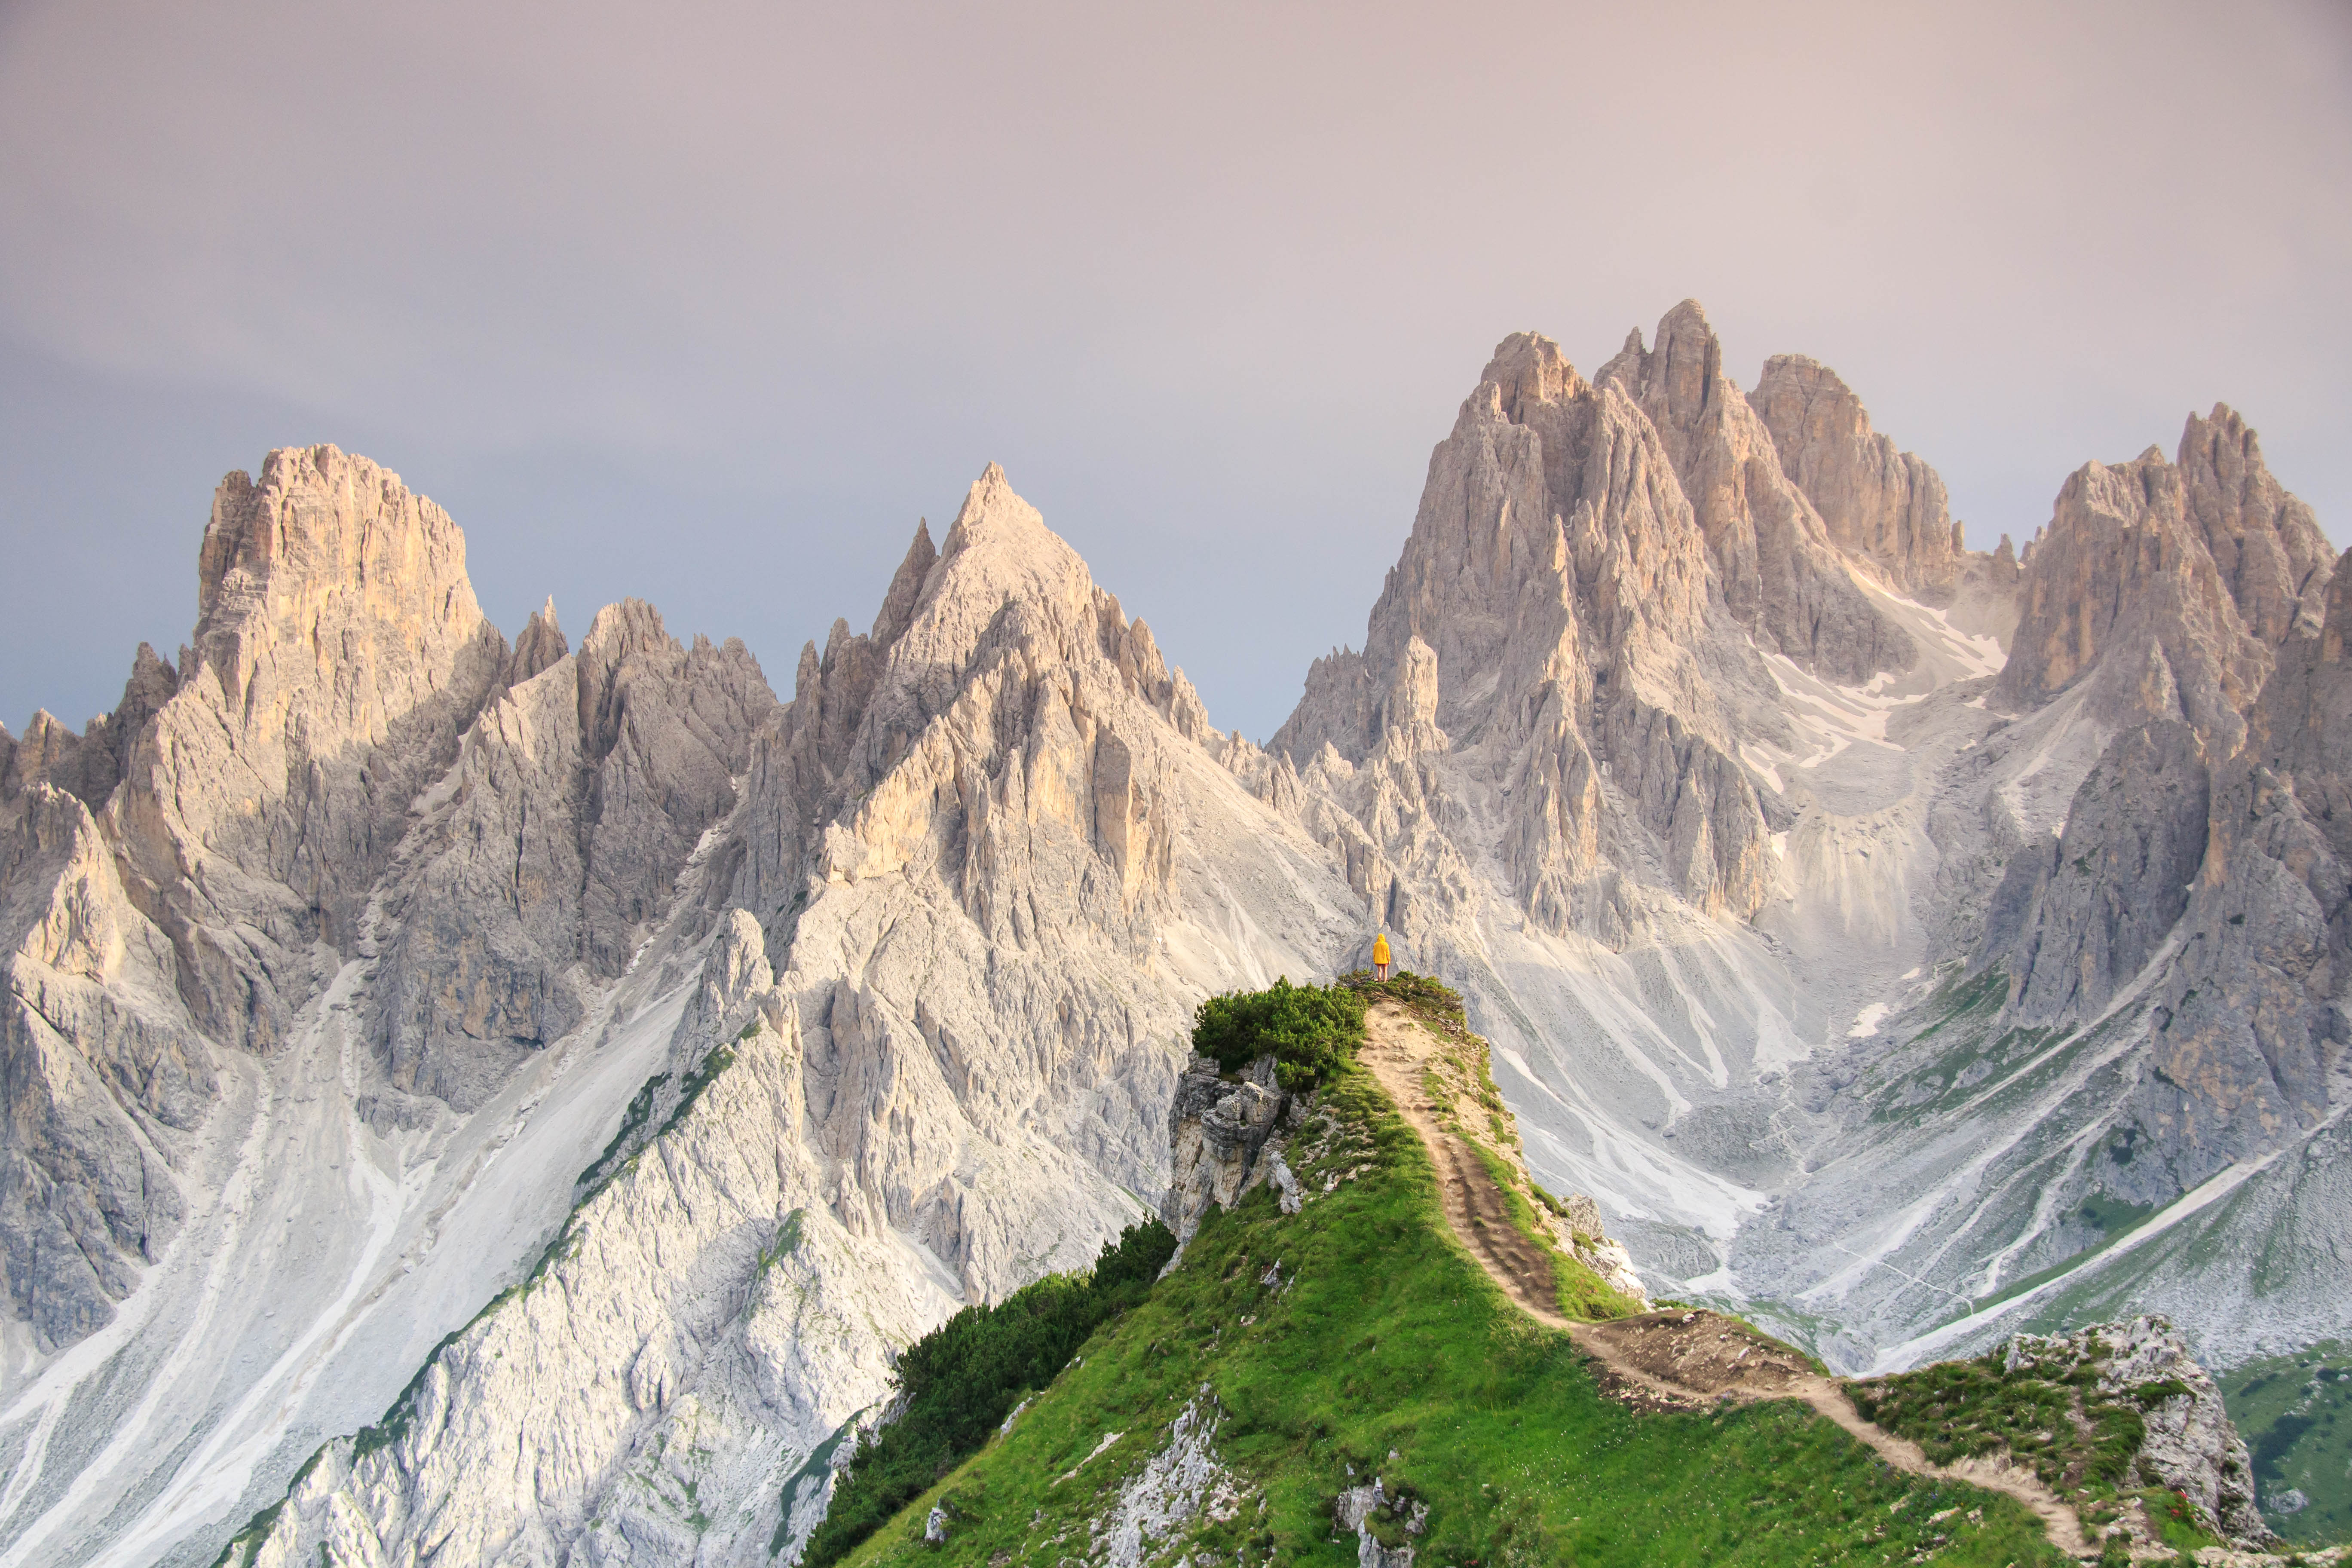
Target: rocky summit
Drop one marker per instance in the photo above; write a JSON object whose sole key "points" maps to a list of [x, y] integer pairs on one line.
{"points": [[487, 1102]]}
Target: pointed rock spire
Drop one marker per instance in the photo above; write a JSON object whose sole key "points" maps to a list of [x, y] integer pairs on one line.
{"points": [[898, 612], [1780, 573], [540, 644]]}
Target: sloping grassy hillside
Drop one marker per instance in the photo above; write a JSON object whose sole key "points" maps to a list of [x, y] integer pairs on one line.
{"points": [[2296, 1414], [1288, 1359]]}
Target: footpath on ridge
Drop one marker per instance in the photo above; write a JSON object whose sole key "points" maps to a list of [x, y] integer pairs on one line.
{"points": [[1686, 1359]]}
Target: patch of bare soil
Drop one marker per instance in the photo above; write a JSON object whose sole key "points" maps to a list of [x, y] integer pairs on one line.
{"points": [[1397, 1048], [1703, 1354]]}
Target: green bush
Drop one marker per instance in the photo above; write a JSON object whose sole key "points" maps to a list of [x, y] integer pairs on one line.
{"points": [[1311, 1031], [959, 1382]]}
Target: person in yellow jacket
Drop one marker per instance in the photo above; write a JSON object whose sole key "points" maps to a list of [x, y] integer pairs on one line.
{"points": [[1380, 956]]}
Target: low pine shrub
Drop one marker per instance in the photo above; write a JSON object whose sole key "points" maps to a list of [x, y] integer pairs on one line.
{"points": [[1311, 1031], [960, 1381]]}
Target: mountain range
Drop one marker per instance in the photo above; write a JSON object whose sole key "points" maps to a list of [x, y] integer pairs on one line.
{"points": [[516, 1099]]}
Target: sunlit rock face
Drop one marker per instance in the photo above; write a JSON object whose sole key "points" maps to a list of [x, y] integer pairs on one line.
{"points": [[1884, 509]]}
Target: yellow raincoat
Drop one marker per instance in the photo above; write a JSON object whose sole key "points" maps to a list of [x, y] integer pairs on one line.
{"points": [[1381, 948]]}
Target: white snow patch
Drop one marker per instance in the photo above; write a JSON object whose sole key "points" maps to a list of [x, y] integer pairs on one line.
{"points": [[1865, 1022]]}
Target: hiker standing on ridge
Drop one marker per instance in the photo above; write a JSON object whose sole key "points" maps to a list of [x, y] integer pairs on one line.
{"points": [[1380, 956]]}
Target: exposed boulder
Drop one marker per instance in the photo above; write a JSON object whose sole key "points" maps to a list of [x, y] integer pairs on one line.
{"points": [[1217, 1136]]}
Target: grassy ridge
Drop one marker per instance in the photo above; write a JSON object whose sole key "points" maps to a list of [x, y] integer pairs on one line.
{"points": [[1357, 1339]]}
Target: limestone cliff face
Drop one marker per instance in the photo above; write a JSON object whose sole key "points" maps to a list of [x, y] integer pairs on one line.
{"points": [[953, 943], [1882, 507], [347, 766], [2189, 601], [2252, 1027], [1547, 631], [2175, 582], [549, 850], [104, 1076], [2266, 545], [1780, 572], [338, 654], [1002, 779]]}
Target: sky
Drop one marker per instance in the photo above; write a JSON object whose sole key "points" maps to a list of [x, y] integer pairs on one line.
{"points": [[707, 304]]}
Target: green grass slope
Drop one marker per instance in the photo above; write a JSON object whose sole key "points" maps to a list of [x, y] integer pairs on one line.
{"points": [[1355, 1338], [2295, 1412]]}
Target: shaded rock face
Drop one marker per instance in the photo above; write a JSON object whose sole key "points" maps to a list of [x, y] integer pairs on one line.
{"points": [[542, 862], [2204, 836], [89, 765], [2250, 1036], [2116, 882], [1880, 506]]}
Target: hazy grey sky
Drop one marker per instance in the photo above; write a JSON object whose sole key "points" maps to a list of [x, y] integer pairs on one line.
{"points": [[707, 304]]}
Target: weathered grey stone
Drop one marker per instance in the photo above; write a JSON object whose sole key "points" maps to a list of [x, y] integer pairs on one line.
{"points": [[1880, 506], [1217, 1132], [1780, 572]]}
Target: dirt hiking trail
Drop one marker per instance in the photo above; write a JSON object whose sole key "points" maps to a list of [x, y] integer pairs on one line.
{"points": [[1660, 1361]]}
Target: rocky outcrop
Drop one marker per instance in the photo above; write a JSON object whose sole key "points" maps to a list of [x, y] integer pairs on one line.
{"points": [[1218, 1133], [2190, 1446], [1183, 1483], [1882, 507]]}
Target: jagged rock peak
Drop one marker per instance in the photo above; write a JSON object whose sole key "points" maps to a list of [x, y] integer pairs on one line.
{"points": [[1886, 508], [322, 526], [89, 764], [540, 644], [1782, 575], [2266, 543], [898, 610], [2178, 581], [1529, 366]]}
